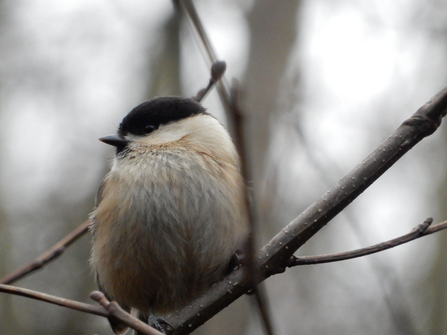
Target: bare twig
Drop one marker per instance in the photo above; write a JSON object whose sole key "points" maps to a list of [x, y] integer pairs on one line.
{"points": [[420, 230], [76, 305], [191, 12], [275, 256], [217, 71], [107, 309], [48, 256]]}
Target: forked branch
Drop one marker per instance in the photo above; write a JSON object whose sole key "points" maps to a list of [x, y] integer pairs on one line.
{"points": [[420, 230], [107, 309]]}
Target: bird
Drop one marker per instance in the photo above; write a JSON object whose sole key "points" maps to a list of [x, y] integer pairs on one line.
{"points": [[171, 213]]}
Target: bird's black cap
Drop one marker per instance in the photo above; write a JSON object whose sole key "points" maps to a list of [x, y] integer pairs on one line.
{"points": [[149, 115]]}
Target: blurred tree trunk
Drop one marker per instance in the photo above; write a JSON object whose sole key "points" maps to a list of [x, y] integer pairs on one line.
{"points": [[6, 311], [165, 67], [273, 32], [437, 293], [435, 286], [5, 243]]}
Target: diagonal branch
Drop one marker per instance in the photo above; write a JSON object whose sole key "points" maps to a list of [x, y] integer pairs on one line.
{"points": [[420, 230], [274, 257], [49, 255], [421, 124]]}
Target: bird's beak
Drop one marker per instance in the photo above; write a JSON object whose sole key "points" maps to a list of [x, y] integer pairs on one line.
{"points": [[115, 140]]}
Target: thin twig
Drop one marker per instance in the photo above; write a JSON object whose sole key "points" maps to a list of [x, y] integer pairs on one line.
{"points": [[107, 309], [72, 304], [191, 12], [217, 71], [48, 256], [421, 230]]}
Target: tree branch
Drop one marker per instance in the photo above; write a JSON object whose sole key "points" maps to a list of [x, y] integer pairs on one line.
{"points": [[107, 309], [420, 230], [48, 256], [275, 256], [72, 304]]}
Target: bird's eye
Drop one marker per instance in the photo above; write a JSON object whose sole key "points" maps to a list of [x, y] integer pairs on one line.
{"points": [[149, 128]]}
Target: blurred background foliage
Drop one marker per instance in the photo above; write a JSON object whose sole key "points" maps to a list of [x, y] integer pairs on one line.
{"points": [[322, 83]]}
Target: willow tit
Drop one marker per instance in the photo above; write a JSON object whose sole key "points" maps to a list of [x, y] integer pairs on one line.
{"points": [[170, 214]]}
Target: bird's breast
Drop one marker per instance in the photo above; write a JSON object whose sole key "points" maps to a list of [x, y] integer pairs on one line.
{"points": [[166, 227]]}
